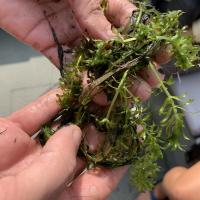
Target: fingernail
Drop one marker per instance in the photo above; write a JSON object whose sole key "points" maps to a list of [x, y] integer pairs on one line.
{"points": [[109, 34], [76, 134]]}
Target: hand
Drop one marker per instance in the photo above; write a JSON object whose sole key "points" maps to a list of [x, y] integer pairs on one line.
{"points": [[29, 171], [70, 19]]}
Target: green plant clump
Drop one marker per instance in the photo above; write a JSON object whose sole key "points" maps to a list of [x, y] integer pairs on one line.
{"points": [[111, 66]]}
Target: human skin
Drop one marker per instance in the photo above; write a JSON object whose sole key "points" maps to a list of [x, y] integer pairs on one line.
{"points": [[27, 21], [30, 171], [182, 183], [70, 18], [179, 183]]}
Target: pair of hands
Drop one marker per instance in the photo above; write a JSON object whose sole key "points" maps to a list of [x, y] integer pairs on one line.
{"points": [[28, 170]]}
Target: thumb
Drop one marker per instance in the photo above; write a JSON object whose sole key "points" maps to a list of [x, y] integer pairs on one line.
{"points": [[90, 15], [91, 18], [54, 167]]}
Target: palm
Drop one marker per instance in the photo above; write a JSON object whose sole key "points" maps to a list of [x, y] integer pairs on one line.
{"points": [[26, 20], [18, 150]]}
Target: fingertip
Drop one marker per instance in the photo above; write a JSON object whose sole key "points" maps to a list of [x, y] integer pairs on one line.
{"points": [[141, 89], [72, 131], [151, 78], [92, 19], [104, 29], [101, 99], [94, 139], [119, 12], [163, 55], [66, 139]]}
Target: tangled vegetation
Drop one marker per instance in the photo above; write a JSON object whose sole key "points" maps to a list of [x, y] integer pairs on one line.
{"points": [[111, 65]]}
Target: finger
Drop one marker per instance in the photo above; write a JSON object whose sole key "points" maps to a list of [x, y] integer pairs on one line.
{"points": [[89, 13], [53, 168], [14, 145], [33, 116], [93, 138], [150, 77], [141, 89], [99, 96], [91, 18], [118, 12], [95, 184], [173, 179], [163, 55]]}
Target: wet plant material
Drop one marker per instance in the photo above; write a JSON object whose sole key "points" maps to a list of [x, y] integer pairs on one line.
{"points": [[111, 66]]}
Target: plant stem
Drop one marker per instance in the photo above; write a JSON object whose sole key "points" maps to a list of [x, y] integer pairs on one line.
{"points": [[139, 17], [116, 94], [165, 90]]}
